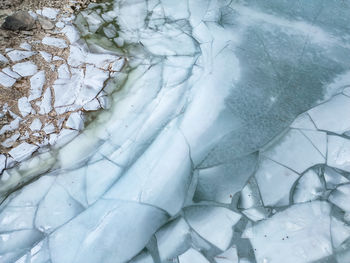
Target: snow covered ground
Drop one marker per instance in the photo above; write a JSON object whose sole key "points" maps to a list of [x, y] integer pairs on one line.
{"points": [[229, 141]]}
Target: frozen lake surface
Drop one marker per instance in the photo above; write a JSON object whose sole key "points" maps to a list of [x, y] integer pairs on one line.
{"points": [[226, 139]]}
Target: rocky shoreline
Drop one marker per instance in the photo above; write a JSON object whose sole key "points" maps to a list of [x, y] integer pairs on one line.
{"points": [[48, 81]]}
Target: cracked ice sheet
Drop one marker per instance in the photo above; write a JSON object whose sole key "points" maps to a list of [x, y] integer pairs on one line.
{"points": [[203, 90], [292, 235]]}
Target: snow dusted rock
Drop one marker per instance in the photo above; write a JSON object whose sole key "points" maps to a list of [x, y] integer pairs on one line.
{"points": [[23, 151], [54, 42], [6, 80], [25, 69]]}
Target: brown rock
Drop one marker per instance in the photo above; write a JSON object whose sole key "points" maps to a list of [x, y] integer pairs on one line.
{"points": [[19, 21]]}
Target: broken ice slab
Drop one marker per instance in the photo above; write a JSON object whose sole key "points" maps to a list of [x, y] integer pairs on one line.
{"points": [[173, 239], [36, 85], [303, 121], [250, 195], [18, 55], [45, 103], [23, 151], [291, 236], [341, 196], [35, 125], [333, 178], [25, 107], [338, 154], [162, 183], [331, 115], [6, 80], [192, 256], [75, 121], [143, 257], [308, 188], [296, 151], [340, 231], [93, 233], [3, 59], [229, 256], [25, 69], [55, 42], [221, 182], [11, 73], [214, 224], [11, 140], [270, 173]]}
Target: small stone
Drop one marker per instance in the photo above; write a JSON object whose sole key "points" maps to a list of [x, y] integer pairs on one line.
{"points": [[19, 21], [45, 23]]}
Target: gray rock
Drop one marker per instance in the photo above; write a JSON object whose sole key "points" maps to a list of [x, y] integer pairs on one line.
{"points": [[19, 21], [45, 23]]}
